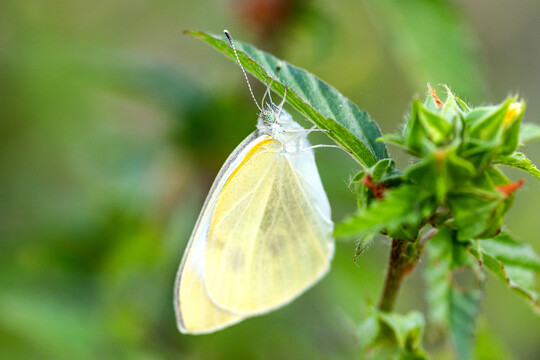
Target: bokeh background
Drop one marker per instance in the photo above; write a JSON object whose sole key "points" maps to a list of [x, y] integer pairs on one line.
{"points": [[113, 125]]}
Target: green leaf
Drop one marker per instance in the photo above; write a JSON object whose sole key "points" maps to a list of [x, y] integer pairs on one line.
{"points": [[405, 206], [415, 134], [512, 128], [438, 128], [383, 173], [440, 172], [514, 263], [359, 190], [465, 308], [453, 303], [529, 133], [392, 336], [426, 129], [363, 243], [520, 161], [488, 126], [349, 126], [477, 212]]}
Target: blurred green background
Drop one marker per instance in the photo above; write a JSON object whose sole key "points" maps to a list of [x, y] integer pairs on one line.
{"points": [[114, 125]]}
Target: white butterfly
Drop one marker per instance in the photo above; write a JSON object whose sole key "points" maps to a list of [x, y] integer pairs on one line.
{"points": [[264, 235]]}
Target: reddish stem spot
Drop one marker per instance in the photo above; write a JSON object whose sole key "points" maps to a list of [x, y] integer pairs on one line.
{"points": [[510, 188], [437, 100], [377, 189]]}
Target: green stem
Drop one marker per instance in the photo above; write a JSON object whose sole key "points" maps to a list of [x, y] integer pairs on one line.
{"points": [[403, 257]]}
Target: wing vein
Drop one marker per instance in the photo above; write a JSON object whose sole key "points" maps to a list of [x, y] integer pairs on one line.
{"points": [[314, 237], [248, 205]]}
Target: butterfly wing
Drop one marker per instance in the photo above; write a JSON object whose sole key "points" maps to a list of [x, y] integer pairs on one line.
{"points": [[270, 235], [195, 312]]}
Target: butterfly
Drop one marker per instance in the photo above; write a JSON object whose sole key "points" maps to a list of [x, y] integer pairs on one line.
{"points": [[264, 235]]}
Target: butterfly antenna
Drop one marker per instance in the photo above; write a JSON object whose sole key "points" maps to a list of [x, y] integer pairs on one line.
{"points": [[269, 86], [228, 35], [267, 92]]}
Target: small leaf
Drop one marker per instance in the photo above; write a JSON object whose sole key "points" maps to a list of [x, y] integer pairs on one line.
{"points": [[490, 124], [439, 129], [363, 243], [512, 125], [392, 336], [512, 262], [453, 307], [384, 170], [406, 205], [359, 190], [520, 161], [415, 134], [425, 128], [440, 172], [349, 126], [477, 211], [372, 182]]}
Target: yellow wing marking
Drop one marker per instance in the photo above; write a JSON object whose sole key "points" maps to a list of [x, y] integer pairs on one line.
{"points": [[255, 149]]}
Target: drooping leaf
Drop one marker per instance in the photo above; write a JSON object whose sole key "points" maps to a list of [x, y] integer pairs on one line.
{"points": [[520, 161], [465, 308], [392, 336], [349, 126], [405, 206], [453, 302], [514, 263]]}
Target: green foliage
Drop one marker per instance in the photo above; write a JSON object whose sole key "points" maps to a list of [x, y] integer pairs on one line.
{"points": [[456, 189], [114, 126], [453, 301], [400, 213], [520, 161], [349, 126], [514, 263], [392, 336]]}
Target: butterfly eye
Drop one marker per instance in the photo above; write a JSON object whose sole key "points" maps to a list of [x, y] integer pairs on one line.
{"points": [[269, 117]]}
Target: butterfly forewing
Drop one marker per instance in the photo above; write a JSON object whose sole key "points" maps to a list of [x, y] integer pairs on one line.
{"points": [[270, 235]]}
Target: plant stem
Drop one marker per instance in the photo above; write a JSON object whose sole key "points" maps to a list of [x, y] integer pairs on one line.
{"points": [[403, 257]]}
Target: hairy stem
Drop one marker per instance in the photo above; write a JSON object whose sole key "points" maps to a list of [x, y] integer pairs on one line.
{"points": [[403, 257]]}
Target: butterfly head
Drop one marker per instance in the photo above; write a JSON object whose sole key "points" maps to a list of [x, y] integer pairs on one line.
{"points": [[268, 115], [272, 115]]}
